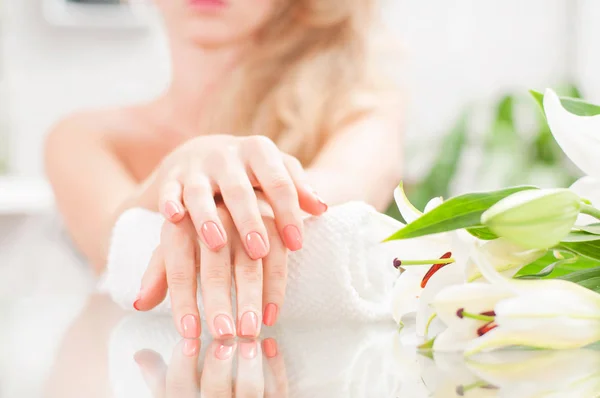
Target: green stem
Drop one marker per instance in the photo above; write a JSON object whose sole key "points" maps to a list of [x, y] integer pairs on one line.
{"points": [[478, 317], [590, 210], [425, 262]]}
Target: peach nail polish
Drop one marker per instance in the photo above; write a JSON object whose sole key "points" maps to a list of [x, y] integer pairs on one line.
{"points": [[256, 245], [270, 347], [249, 325], [212, 235], [136, 303], [224, 326], [172, 209], [322, 202], [292, 237], [190, 326], [224, 351], [248, 349], [191, 347], [270, 316]]}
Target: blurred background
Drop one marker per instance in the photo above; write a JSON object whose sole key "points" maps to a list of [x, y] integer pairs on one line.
{"points": [[466, 68]]}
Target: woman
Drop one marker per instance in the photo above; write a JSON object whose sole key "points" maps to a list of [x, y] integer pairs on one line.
{"points": [[268, 99]]}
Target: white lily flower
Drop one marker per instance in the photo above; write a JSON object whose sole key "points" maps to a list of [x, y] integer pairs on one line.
{"points": [[577, 135], [524, 374], [543, 314], [418, 284], [587, 188]]}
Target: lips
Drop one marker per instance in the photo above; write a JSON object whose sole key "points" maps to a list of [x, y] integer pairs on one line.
{"points": [[207, 4]]}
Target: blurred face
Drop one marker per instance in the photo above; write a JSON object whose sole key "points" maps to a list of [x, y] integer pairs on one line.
{"points": [[214, 22]]}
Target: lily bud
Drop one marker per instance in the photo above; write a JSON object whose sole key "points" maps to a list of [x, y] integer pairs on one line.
{"points": [[534, 219]]}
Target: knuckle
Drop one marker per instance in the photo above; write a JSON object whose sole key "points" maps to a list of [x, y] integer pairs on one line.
{"points": [[258, 142], [217, 159], [195, 189], [293, 162], [179, 279], [251, 272], [278, 274], [281, 185], [218, 391], [237, 192], [215, 277]]}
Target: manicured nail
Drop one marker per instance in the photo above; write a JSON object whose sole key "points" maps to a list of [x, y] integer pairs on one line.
{"points": [[256, 245], [270, 347], [212, 235], [292, 237], [190, 326], [322, 202], [136, 303], [224, 326], [224, 351], [248, 349], [172, 209], [191, 347], [249, 325], [270, 316]]}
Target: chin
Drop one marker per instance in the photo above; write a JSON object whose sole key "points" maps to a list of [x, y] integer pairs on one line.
{"points": [[214, 33]]}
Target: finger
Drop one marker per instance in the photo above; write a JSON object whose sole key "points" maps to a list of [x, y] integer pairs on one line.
{"points": [[275, 277], [198, 197], [250, 381], [240, 199], [154, 371], [170, 200], [309, 200], [217, 374], [180, 250], [182, 376], [277, 184], [154, 283], [276, 381], [248, 285], [215, 281]]}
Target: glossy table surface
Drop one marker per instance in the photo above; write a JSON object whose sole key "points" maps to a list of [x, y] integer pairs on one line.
{"points": [[100, 350], [58, 338]]}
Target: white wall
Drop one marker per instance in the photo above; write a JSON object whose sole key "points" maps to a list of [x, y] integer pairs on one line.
{"points": [[456, 53]]}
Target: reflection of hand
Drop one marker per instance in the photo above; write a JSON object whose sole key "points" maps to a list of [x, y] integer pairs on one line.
{"points": [[182, 378]]}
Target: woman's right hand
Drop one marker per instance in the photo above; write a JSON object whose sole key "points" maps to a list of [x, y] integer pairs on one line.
{"points": [[233, 167]]}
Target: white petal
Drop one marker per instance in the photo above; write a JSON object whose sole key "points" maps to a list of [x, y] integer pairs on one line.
{"points": [[473, 297], [409, 212], [433, 203], [407, 290], [506, 257], [452, 340], [578, 136], [451, 274]]}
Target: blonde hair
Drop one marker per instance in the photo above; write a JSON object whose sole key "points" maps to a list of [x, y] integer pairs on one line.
{"points": [[315, 70]]}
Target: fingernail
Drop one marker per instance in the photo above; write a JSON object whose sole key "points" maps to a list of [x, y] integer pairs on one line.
{"points": [[256, 245], [190, 326], [191, 347], [249, 325], [212, 235], [270, 316], [322, 202], [172, 209], [224, 326], [248, 349], [270, 347], [136, 303], [224, 351], [292, 237]]}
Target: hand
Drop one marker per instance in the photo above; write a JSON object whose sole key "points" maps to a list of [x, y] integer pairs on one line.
{"points": [[182, 378], [260, 284], [232, 167]]}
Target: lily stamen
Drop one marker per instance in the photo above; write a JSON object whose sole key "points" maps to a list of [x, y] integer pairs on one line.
{"points": [[486, 328], [488, 316], [447, 257]]}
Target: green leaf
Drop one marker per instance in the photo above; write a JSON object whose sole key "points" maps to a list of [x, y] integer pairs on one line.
{"points": [[482, 233], [573, 105], [592, 228], [581, 263], [462, 211], [589, 278], [548, 269], [580, 236], [589, 249]]}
